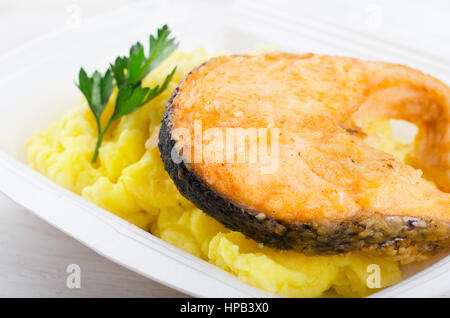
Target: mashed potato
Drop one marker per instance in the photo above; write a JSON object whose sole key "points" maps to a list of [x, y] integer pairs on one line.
{"points": [[129, 180]]}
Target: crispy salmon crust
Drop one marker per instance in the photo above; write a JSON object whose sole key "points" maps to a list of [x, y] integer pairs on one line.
{"points": [[331, 192]]}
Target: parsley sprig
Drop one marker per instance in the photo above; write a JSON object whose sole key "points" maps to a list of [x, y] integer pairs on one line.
{"points": [[126, 73]]}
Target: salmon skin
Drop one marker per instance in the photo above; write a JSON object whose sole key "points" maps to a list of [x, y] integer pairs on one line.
{"points": [[330, 192]]}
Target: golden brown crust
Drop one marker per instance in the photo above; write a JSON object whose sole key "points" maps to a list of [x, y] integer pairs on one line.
{"points": [[346, 195]]}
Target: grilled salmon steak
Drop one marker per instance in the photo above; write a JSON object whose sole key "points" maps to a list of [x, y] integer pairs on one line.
{"points": [[324, 189]]}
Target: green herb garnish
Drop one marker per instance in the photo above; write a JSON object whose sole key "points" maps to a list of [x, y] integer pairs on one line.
{"points": [[126, 73]]}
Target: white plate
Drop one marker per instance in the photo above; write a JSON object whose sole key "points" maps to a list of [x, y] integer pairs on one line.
{"points": [[36, 87]]}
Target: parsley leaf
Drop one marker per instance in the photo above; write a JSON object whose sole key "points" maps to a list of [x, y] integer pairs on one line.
{"points": [[119, 70], [97, 90], [127, 73], [160, 48]]}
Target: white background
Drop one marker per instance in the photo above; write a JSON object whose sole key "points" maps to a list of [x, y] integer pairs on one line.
{"points": [[34, 256]]}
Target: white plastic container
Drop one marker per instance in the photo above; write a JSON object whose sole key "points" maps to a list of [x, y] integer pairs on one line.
{"points": [[36, 88]]}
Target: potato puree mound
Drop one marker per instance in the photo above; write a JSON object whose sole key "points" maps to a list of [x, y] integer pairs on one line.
{"points": [[130, 181]]}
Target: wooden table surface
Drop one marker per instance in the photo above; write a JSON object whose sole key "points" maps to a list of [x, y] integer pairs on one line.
{"points": [[34, 255]]}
